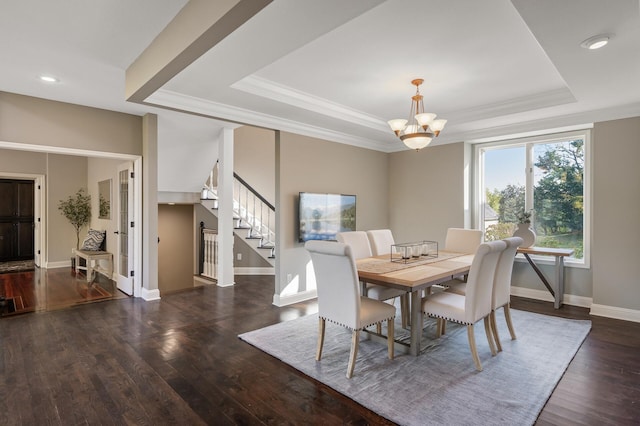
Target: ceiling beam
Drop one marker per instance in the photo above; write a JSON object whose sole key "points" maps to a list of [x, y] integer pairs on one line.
{"points": [[200, 25]]}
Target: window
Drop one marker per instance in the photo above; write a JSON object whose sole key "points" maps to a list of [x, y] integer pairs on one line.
{"points": [[546, 176]]}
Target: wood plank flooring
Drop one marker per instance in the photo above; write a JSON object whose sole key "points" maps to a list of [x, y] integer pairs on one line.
{"points": [[46, 290], [179, 361]]}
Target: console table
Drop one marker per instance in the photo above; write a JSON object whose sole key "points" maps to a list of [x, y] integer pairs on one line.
{"points": [[92, 263], [559, 254]]}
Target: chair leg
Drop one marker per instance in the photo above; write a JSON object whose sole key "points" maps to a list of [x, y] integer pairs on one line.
{"points": [[355, 337], [321, 324], [507, 316], [472, 346], [443, 327], [390, 341], [489, 333], [439, 327], [494, 329], [379, 328]]}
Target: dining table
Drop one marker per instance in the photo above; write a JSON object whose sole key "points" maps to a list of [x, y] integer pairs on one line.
{"points": [[413, 276]]}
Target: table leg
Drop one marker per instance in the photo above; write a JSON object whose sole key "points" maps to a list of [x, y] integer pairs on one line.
{"points": [[416, 322], [560, 282]]}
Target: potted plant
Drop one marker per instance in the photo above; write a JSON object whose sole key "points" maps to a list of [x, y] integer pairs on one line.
{"points": [[77, 209], [524, 216], [524, 230]]}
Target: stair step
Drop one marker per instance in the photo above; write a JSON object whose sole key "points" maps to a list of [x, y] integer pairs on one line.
{"points": [[242, 227], [252, 238], [266, 247]]}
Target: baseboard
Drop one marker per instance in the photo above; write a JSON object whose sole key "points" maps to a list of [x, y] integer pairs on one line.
{"points": [[615, 312], [149, 295], [238, 270], [62, 264], [568, 299], [294, 298]]}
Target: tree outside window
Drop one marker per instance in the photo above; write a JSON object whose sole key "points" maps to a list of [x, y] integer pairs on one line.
{"points": [[553, 191]]}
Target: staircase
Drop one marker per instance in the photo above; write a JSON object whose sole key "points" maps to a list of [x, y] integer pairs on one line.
{"points": [[253, 216]]}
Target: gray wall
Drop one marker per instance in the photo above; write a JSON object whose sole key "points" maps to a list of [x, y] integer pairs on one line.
{"points": [[65, 175], [312, 165], [254, 155], [25, 119], [426, 192], [616, 196]]}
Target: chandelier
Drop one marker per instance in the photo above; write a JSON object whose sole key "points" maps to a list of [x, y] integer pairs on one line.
{"points": [[421, 127]]}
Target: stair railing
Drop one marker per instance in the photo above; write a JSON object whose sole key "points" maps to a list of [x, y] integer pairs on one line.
{"points": [[254, 212], [251, 210], [208, 252]]}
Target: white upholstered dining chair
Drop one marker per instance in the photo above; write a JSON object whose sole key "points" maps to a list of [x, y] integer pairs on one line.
{"points": [[501, 297], [475, 305], [361, 247], [339, 299], [502, 288], [462, 240], [381, 241]]}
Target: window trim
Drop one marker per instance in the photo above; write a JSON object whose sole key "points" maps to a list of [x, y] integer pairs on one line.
{"points": [[478, 184]]}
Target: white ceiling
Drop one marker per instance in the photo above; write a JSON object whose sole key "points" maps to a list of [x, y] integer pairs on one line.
{"points": [[338, 70]]}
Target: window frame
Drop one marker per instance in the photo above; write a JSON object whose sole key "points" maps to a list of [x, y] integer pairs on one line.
{"points": [[528, 142]]}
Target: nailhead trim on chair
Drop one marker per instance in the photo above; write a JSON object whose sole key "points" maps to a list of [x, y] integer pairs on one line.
{"points": [[452, 320], [368, 325]]}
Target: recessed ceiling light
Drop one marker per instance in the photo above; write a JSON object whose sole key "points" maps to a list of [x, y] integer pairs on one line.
{"points": [[49, 79], [596, 42]]}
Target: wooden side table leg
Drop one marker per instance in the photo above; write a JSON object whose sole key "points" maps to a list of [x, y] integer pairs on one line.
{"points": [[560, 282]]}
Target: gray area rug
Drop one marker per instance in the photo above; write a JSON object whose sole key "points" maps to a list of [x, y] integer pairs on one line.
{"points": [[441, 386]]}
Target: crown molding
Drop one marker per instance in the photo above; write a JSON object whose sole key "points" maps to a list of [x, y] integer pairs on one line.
{"points": [[185, 103], [280, 93], [189, 104], [547, 99]]}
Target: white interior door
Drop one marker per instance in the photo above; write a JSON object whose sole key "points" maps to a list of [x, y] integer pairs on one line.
{"points": [[124, 252], [37, 217]]}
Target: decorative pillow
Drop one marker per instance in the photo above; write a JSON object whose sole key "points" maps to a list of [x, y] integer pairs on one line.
{"points": [[93, 240]]}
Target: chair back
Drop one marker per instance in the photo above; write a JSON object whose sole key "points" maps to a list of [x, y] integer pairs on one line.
{"points": [[479, 291], [502, 281], [381, 241], [358, 241], [336, 282], [463, 240]]}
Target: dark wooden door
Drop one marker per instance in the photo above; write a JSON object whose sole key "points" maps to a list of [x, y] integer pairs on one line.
{"points": [[16, 219]]}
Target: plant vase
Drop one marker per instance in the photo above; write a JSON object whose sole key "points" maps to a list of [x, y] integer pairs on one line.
{"points": [[526, 233]]}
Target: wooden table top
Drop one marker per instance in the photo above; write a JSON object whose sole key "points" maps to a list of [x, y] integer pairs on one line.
{"points": [[419, 276], [546, 251]]}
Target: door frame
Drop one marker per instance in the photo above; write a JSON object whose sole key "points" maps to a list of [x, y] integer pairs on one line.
{"points": [[39, 191], [137, 187]]}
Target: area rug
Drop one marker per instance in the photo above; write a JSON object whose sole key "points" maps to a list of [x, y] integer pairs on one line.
{"points": [[441, 385], [16, 266]]}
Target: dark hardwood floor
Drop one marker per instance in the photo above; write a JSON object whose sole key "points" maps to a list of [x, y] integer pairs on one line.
{"points": [[179, 361], [47, 290]]}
